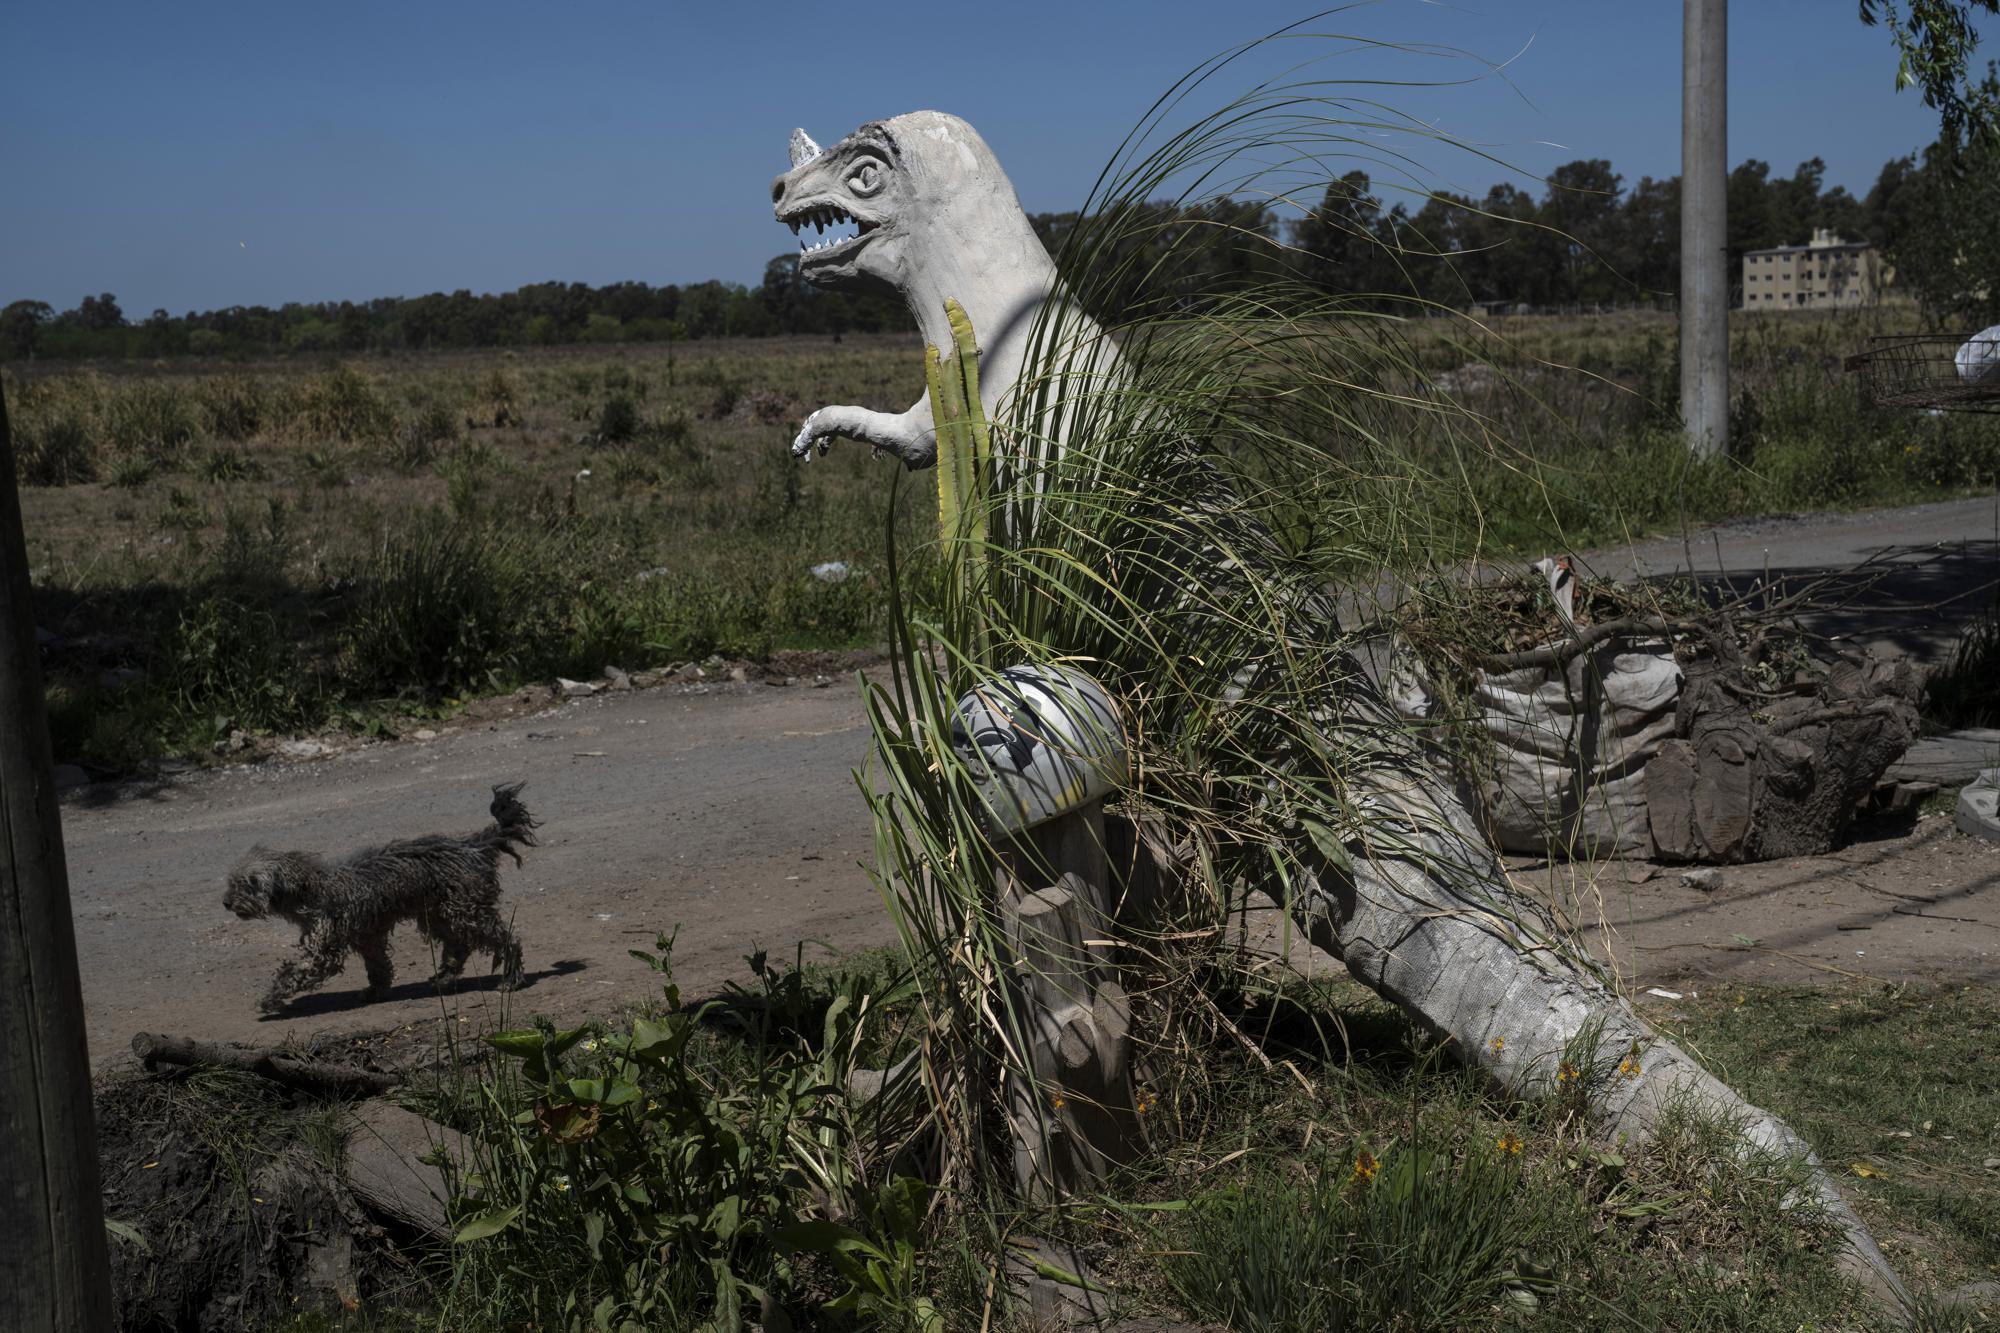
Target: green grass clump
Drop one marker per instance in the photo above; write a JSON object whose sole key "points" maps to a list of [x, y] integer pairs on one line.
{"points": [[1413, 1238], [1964, 691]]}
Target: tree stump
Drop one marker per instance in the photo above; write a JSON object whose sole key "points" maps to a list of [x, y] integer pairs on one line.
{"points": [[1076, 1118], [1756, 778]]}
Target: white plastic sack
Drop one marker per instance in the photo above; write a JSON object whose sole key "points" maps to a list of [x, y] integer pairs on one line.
{"points": [[1979, 358], [1569, 749]]}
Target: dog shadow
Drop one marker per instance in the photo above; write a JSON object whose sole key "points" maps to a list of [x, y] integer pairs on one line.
{"points": [[318, 1003]]}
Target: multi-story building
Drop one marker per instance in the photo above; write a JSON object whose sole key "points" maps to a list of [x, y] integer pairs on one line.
{"points": [[1825, 271]]}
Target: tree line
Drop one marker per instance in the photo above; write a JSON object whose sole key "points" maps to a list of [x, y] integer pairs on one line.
{"points": [[1587, 240]]}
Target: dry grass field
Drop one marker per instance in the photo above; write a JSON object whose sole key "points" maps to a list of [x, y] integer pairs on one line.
{"points": [[285, 544]]}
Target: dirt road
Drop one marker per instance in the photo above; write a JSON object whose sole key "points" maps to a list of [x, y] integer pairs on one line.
{"points": [[729, 811]]}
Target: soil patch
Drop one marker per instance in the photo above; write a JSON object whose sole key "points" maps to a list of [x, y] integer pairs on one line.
{"points": [[228, 1207]]}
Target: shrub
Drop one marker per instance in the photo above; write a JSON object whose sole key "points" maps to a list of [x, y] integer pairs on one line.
{"points": [[130, 470], [224, 464], [497, 389], [618, 419], [227, 663], [159, 420], [433, 426], [59, 452], [344, 405], [446, 609], [672, 1195], [234, 406]]}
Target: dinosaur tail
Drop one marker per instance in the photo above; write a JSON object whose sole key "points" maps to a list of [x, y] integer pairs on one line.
{"points": [[512, 828]]}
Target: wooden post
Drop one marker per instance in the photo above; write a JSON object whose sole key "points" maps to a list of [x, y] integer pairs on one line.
{"points": [[52, 1250], [1076, 1119]]}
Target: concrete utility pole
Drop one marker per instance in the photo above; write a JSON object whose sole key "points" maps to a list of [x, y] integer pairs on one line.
{"points": [[1705, 225], [55, 1272]]}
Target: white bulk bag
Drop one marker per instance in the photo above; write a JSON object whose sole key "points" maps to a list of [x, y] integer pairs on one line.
{"points": [[1569, 745], [1978, 358]]}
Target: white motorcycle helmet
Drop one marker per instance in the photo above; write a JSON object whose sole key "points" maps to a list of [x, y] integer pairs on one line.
{"points": [[1041, 741]]}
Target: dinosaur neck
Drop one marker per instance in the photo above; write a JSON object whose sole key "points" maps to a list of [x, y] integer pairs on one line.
{"points": [[998, 270]]}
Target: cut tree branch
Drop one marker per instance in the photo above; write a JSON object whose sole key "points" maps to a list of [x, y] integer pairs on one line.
{"points": [[272, 1062]]}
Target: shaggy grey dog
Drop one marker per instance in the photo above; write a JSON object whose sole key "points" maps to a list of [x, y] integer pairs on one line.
{"points": [[449, 887]]}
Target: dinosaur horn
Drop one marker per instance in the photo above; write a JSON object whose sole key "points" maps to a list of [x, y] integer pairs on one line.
{"points": [[804, 149]]}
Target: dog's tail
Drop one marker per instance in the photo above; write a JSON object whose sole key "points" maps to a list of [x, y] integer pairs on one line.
{"points": [[513, 827]]}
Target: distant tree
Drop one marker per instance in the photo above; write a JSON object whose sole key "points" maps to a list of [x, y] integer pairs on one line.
{"points": [[21, 326], [1582, 213], [1753, 222], [1841, 213], [1793, 205], [1649, 249], [1339, 237], [97, 313], [1947, 247], [1886, 209]]}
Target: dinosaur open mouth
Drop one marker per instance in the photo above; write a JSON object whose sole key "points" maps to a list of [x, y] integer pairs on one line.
{"points": [[827, 221]]}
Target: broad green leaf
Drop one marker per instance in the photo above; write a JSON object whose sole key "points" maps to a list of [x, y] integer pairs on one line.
{"points": [[489, 1223], [520, 1043], [816, 1235]]}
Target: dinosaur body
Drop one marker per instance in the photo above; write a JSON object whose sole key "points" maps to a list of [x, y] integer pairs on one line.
{"points": [[1417, 906]]}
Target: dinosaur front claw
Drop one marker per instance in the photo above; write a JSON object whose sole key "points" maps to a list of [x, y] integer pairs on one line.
{"points": [[802, 447]]}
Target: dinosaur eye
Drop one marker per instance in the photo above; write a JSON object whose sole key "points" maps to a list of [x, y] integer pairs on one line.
{"points": [[867, 178]]}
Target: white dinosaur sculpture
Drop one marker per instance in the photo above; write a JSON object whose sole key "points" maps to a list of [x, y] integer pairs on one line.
{"points": [[1424, 914]]}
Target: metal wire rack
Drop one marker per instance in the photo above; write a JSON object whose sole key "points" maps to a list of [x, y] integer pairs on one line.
{"points": [[1925, 371]]}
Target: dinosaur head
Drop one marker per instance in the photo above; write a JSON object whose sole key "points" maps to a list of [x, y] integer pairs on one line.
{"points": [[869, 207]]}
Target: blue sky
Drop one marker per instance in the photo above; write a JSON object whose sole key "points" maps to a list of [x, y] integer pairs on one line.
{"points": [[204, 154]]}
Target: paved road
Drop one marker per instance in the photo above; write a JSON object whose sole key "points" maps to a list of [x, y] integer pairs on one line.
{"points": [[730, 812], [1928, 567]]}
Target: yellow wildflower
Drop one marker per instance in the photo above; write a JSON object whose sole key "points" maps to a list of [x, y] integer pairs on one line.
{"points": [[1567, 1074], [1510, 1144], [1498, 1044], [1365, 1167], [1629, 1067]]}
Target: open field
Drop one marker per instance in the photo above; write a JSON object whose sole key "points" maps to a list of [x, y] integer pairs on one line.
{"points": [[277, 546]]}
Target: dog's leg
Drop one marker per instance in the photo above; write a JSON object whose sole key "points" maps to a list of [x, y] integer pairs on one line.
{"points": [[451, 961], [323, 953], [490, 935], [374, 951], [507, 956]]}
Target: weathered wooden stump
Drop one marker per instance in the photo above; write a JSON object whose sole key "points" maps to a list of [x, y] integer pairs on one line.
{"points": [[1075, 1119], [1048, 745]]}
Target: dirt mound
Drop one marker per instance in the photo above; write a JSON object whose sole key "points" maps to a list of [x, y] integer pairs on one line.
{"points": [[228, 1207]]}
